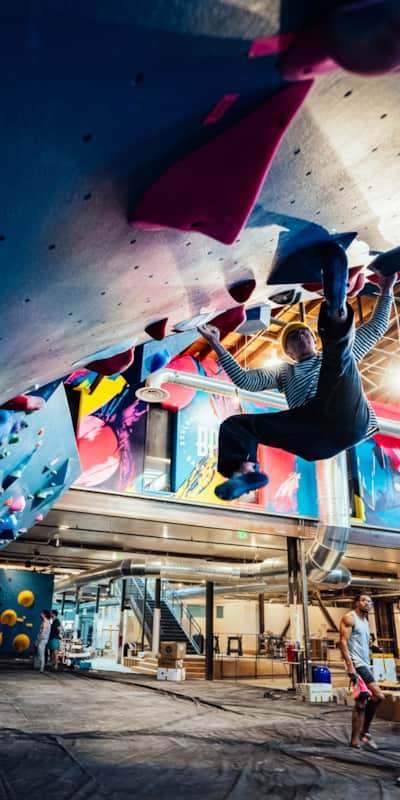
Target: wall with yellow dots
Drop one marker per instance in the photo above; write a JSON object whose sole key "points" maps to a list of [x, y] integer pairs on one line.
{"points": [[23, 595]]}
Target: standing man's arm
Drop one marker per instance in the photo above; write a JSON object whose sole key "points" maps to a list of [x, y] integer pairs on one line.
{"points": [[372, 331], [346, 627], [252, 380]]}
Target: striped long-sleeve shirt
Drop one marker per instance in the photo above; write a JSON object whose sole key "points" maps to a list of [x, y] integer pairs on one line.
{"points": [[299, 381]]}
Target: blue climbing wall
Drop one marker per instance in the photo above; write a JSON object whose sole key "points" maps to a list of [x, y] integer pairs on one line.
{"points": [[23, 595], [38, 462]]}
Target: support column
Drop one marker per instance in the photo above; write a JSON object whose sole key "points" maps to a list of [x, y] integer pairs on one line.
{"points": [[155, 639], [77, 618], [144, 613], [121, 629], [293, 571], [306, 624], [63, 597], [209, 631], [261, 614]]}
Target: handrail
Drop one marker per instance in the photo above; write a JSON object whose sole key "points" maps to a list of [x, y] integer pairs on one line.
{"points": [[179, 615]]}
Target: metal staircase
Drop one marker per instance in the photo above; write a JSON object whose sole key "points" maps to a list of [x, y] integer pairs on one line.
{"points": [[172, 618]]}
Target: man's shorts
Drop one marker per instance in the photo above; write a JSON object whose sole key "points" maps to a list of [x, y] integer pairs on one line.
{"points": [[54, 644], [365, 674]]}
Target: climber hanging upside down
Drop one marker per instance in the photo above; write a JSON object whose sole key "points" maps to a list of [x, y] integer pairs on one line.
{"points": [[328, 410]]}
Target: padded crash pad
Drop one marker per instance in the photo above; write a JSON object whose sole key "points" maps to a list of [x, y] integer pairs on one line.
{"points": [[213, 189]]}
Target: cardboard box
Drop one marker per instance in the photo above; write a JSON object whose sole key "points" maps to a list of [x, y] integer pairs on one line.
{"points": [[171, 663], [176, 674], [389, 708], [173, 650], [161, 674], [316, 692]]}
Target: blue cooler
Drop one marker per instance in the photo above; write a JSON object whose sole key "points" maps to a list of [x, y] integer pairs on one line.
{"points": [[321, 675]]}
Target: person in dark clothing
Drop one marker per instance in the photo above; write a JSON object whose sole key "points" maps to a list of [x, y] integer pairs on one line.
{"points": [[55, 638], [328, 411]]}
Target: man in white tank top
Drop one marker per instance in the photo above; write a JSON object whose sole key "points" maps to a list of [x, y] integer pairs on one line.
{"points": [[354, 646]]}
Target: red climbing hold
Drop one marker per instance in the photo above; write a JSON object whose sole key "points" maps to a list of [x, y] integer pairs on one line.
{"points": [[242, 290], [24, 402], [114, 364], [200, 192], [229, 320], [157, 330]]}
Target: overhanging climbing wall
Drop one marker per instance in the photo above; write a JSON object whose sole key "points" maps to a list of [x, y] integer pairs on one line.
{"points": [[101, 100]]}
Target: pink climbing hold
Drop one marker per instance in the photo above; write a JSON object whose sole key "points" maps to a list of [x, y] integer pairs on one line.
{"points": [[229, 320], [308, 56], [220, 109], [199, 192], [18, 504], [269, 45], [24, 402], [157, 330], [113, 365], [39, 518], [242, 290]]}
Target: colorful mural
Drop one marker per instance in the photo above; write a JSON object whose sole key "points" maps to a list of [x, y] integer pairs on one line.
{"points": [[111, 442], [111, 433], [38, 462], [376, 476], [23, 595]]}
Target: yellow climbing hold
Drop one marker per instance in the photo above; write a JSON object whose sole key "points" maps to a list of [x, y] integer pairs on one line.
{"points": [[8, 617], [26, 598], [21, 642], [28, 624], [1, 638]]}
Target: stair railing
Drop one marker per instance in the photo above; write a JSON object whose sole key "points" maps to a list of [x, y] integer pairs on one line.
{"points": [[135, 594], [182, 614]]}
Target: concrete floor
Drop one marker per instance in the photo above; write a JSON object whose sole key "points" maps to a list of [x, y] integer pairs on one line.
{"points": [[82, 737]]}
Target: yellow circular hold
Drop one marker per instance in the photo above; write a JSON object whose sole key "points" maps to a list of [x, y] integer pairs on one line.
{"points": [[8, 617], [26, 598], [21, 642]]}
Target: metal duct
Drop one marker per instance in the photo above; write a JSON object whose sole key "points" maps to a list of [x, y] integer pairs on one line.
{"points": [[152, 392]]}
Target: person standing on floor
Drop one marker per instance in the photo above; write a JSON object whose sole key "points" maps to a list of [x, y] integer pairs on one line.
{"points": [[328, 410], [354, 646], [43, 637], [55, 637]]}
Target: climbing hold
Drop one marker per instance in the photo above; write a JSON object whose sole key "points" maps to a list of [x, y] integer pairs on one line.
{"points": [[40, 431], [5, 417], [386, 263], [8, 617], [13, 439], [158, 361], [364, 37], [8, 502], [18, 504], [26, 598], [21, 642], [157, 330], [39, 518], [24, 402], [229, 320], [113, 365], [242, 290], [199, 192]]}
